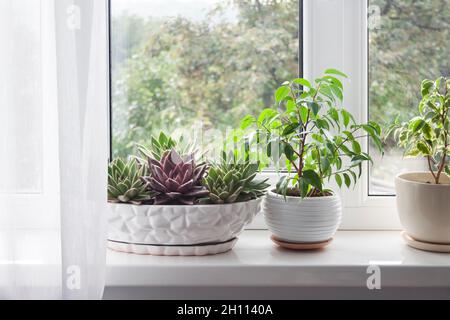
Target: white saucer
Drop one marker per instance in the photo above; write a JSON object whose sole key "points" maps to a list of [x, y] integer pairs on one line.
{"points": [[301, 246], [425, 246], [161, 250]]}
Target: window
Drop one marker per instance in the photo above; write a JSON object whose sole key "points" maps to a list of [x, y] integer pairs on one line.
{"points": [[177, 63], [408, 42], [181, 64]]}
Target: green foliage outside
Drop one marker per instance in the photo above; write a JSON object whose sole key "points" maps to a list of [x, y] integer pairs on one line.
{"points": [[410, 44], [181, 71], [170, 73]]}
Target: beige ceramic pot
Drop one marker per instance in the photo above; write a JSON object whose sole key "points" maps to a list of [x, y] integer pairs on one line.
{"points": [[424, 207]]}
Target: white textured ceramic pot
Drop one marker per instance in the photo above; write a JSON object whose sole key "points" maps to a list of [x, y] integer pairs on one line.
{"points": [[424, 207], [309, 220], [178, 230]]}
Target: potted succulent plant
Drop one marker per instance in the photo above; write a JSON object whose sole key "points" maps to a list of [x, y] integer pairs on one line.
{"points": [[423, 198], [170, 205], [319, 141]]}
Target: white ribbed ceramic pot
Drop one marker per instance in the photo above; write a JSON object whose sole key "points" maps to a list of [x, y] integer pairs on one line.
{"points": [[308, 220], [171, 230], [424, 207]]}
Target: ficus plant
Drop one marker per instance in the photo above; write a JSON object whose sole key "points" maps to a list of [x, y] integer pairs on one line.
{"points": [[428, 134], [318, 138]]}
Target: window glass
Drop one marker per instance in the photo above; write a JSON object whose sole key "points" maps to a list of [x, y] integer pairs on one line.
{"points": [[184, 64], [408, 42]]}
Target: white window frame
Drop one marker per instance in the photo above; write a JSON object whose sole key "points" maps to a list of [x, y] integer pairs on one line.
{"points": [[335, 35]]}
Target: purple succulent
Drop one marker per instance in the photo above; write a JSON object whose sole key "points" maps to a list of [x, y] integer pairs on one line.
{"points": [[175, 180]]}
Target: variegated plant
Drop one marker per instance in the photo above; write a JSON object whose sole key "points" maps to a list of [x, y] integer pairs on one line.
{"points": [[428, 134]]}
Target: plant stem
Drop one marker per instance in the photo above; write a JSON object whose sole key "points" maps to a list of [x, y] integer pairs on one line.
{"points": [[431, 169], [446, 143], [345, 141], [339, 172], [319, 162], [303, 141]]}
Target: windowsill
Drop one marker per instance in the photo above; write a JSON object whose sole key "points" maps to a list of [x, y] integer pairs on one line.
{"points": [[257, 262]]}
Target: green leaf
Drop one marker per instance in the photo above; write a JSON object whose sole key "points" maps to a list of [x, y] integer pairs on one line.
{"points": [[426, 86], [314, 107], [247, 121], [304, 111], [269, 149], [355, 178], [447, 170], [282, 93], [282, 185], [346, 150], [349, 135], [411, 153], [267, 115], [346, 116], [322, 124], [376, 126], [290, 106], [378, 143], [325, 163], [416, 124], [289, 152], [356, 146], [290, 128], [422, 147], [327, 92], [336, 72], [427, 131], [334, 114], [317, 137], [339, 163], [361, 157], [313, 179], [337, 92], [304, 187], [338, 179], [330, 146], [303, 82], [348, 181], [334, 81]]}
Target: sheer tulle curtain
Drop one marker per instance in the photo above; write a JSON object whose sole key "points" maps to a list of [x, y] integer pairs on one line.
{"points": [[53, 148]]}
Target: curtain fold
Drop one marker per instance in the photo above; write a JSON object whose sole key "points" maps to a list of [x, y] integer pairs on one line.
{"points": [[54, 101]]}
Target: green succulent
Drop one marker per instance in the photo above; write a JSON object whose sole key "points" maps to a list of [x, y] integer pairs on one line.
{"points": [[233, 182], [158, 146], [125, 184]]}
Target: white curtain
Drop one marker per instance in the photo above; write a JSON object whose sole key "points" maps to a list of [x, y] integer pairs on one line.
{"points": [[53, 148]]}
